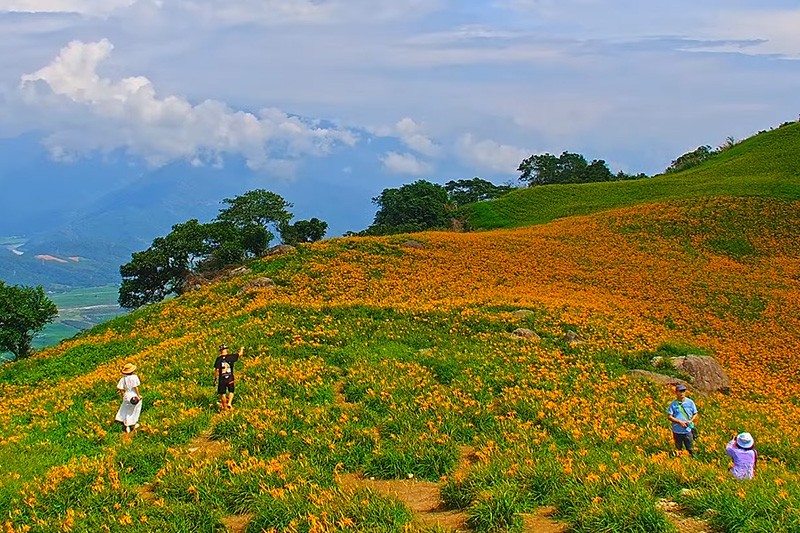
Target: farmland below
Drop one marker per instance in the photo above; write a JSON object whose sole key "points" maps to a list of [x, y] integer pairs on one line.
{"points": [[78, 309]]}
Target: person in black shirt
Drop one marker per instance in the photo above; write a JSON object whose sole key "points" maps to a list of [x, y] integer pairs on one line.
{"points": [[223, 375]]}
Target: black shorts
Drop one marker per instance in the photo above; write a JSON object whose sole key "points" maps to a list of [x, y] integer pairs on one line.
{"points": [[225, 385]]}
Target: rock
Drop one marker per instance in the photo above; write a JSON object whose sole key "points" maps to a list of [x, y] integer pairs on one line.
{"points": [[413, 244], [240, 271], [282, 249], [707, 374], [573, 338], [660, 379], [258, 283], [522, 313], [524, 333]]}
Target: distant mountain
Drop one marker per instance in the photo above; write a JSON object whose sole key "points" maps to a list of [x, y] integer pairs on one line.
{"points": [[102, 209]]}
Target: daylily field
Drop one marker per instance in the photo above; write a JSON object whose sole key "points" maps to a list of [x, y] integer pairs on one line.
{"points": [[371, 358]]}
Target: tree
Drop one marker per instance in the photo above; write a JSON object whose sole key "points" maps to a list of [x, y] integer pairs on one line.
{"points": [[690, 159], [303, 231], [464, 192], [240, 231], [547, 169], [417, 206], [24, 311], [162, 269]]}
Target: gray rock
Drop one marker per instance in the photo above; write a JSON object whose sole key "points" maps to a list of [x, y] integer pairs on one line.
{"points": [[573, 338], [413, 244], [707, 374], [660, 379], [524, 333], [282, 249], [258, 283]]}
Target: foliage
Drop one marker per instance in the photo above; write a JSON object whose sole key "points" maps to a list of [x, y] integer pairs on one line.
{"points": [[418, 206], [547, 169], [258, 207], [464, 192], [368, 358], [24, 311], [690, 159], [240, 231], [303, 231], [764, 165]]}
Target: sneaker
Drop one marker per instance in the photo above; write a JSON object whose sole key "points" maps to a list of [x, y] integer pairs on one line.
{"points": [[127, 429], [136, 426]]}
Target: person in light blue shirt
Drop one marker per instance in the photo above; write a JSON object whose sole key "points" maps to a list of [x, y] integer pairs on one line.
{"points": [[682, 412]]}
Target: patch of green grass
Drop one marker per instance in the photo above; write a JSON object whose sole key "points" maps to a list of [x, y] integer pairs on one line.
{"points": [[766, 165]]}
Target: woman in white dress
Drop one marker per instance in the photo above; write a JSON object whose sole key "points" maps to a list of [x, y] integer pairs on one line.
{"points": [[128, 388]]}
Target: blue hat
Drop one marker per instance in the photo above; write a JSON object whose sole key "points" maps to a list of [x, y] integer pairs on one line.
{"points": [[680, 387], [744, 440]]}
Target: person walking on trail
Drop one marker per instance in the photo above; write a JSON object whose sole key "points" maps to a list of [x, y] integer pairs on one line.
{"points": [[682, 412], [744, 456], [223, 375], [131, 406]]}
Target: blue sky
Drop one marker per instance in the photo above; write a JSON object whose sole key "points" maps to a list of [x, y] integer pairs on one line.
{"points": [[461, 87]]}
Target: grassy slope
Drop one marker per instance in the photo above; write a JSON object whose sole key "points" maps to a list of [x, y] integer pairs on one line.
{"points": [[766, 165], [370, 357]]}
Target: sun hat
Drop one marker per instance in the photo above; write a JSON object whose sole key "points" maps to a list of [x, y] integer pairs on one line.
{"points": [[680, 387], [744, 440], [129, 368]]}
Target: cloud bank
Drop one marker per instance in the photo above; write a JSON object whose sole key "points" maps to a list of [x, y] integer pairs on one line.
{"points": [[94, 113]]}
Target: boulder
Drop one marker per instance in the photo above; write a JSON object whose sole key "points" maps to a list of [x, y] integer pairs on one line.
{"points": [[413, 244], [282, 249], [524, 333], [707, 374], [660, 379], [573, 338], [258, 283], [240, 271]]}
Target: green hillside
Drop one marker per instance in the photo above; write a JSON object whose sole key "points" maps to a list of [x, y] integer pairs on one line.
{"points": [[767, 164], [476, 381]]}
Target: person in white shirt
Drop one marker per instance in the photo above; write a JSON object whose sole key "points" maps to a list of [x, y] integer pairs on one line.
{"points": [[131, 406]]}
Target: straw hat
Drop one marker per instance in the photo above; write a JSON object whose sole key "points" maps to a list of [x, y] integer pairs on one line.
{"points": [[129, 368], [744, 440]]}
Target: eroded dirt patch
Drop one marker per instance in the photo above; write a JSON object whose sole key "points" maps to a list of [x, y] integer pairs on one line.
{"points": [[424, 499]]}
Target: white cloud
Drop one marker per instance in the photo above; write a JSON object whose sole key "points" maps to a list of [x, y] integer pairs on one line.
{"points": [[84, 7], [281, 12], [490, 155], [99, 114], [411, 134], [406, 164], [773, 31]]}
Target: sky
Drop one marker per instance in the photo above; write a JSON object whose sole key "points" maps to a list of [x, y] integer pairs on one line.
{"points": [[424, 89]]}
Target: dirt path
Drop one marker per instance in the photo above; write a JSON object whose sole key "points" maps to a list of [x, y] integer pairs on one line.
{"points": [[200, 448], [682, 523], [424, 500]]}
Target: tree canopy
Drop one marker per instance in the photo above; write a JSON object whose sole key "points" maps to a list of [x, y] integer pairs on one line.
{"points": [[547, 169], [463, 192], [416, 206], [24, 311], [303, 231], [690, 159], [241, 231]]}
